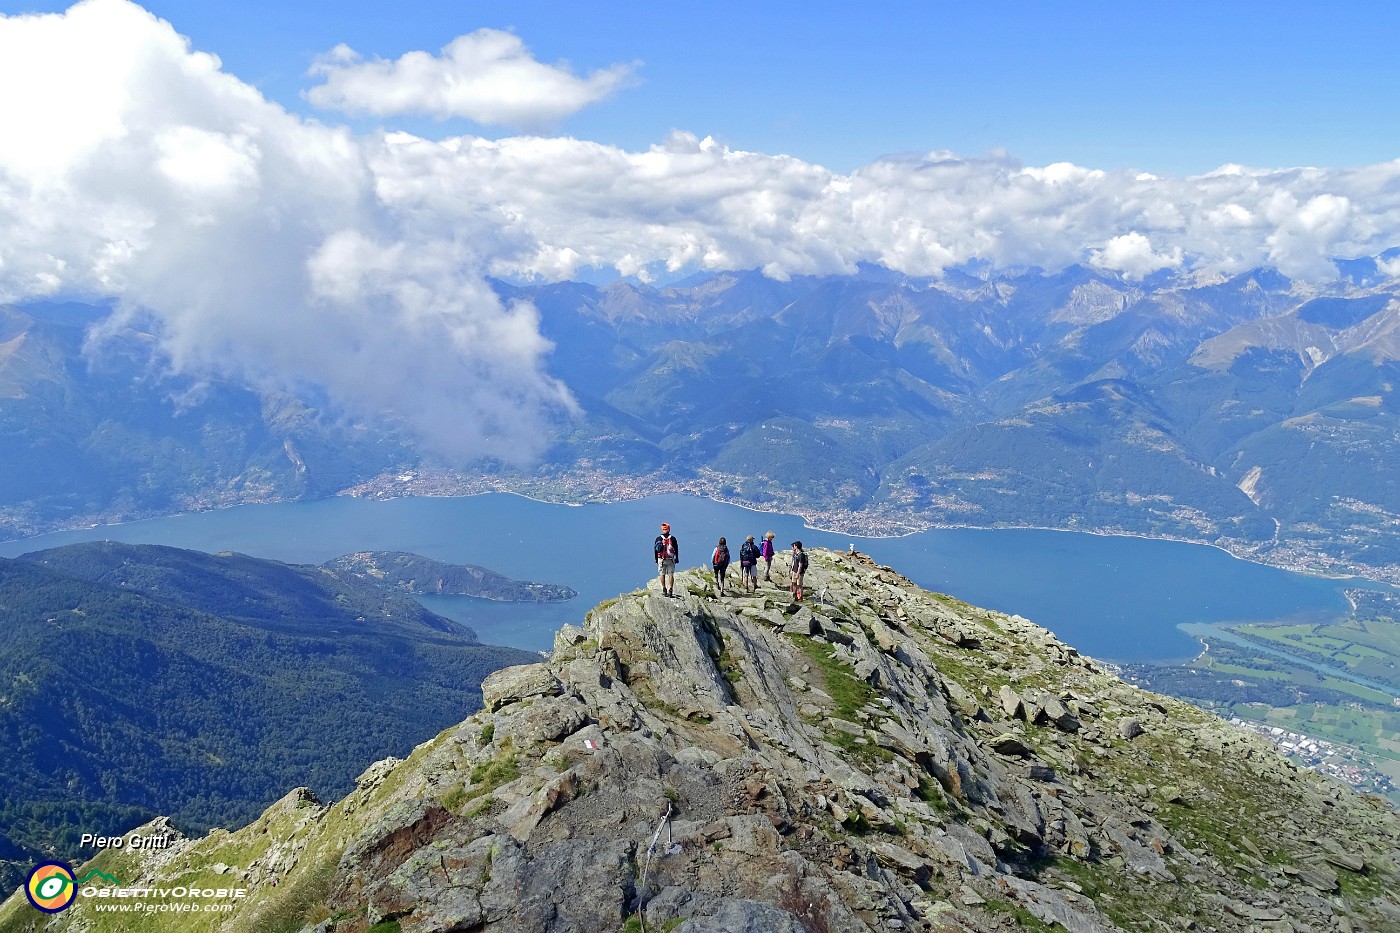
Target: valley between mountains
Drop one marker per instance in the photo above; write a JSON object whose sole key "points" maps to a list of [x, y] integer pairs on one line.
{"points": [[1251, 412]]}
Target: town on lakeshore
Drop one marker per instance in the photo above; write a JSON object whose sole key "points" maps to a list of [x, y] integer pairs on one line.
{"points": [[585, 482], [1334, 759]]}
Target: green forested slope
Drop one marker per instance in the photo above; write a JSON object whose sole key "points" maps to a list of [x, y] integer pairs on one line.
{"points": [[126, 696]]}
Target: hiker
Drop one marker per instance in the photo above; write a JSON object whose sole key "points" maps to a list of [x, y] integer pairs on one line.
{"points": [[667, 551], [767, 552], [748, 564], [798, 569], [720, 561]]}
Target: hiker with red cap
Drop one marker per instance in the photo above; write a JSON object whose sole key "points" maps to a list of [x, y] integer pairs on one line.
{"points": [[667, 552]]}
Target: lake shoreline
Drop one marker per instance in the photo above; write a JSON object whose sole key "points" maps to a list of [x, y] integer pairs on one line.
{"points": [[905, 526], [871, 526], [1111, 596]]}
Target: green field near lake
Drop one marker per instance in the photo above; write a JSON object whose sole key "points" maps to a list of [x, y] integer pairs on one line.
{"points": [[1368, 648]]}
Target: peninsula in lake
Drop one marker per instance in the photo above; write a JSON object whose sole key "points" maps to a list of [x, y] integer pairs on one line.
{"points": [[417, 575]]}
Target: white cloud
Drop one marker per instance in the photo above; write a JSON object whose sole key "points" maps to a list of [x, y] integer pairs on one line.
{"points": [[263, 246], [690, 202], [1132, 255], [210, 166], [251, 241], [488, 76]]}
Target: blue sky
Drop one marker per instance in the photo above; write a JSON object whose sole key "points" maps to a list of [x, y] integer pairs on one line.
{"points": [[1176, 88], [297, 214]]}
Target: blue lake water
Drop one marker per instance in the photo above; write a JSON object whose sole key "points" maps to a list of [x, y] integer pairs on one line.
{"points": [[1115, 598]]}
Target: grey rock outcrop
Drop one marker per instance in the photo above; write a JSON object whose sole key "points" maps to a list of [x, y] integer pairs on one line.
{"points": [[890, 759]]}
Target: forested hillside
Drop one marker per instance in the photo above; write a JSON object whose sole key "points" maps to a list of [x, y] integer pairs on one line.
{"points": [[137, 680]]}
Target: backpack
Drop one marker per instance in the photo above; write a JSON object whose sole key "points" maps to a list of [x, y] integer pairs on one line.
{"points": [[748, 553], [721, 555], [799, 562], [666, 547]]}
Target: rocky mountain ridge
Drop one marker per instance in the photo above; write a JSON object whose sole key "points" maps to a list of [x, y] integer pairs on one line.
{"points": [[875, 758]]}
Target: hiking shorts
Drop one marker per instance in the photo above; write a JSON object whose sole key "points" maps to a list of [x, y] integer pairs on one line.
{"points": [[750, 571], [666, 565]]}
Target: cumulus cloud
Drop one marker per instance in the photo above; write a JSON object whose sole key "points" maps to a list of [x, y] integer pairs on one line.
{"points": [[694, 203], [263, 246], [250, 240], [1132, 255], [487, 76]]}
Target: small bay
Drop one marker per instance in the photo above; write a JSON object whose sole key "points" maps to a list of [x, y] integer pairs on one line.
{"points": [[1116, 598]]}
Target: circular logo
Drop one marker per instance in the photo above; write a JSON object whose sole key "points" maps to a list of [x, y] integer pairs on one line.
{"points": [[51, 887]]}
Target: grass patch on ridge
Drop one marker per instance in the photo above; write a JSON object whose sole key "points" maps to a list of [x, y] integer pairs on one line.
{"points": [[849, 693]]}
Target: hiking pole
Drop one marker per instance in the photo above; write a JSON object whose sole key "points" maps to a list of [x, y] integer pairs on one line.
{"points": [[646, 865]]}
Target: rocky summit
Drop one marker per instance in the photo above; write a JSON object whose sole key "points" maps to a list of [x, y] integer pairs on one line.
{"points": [[876, 757]]}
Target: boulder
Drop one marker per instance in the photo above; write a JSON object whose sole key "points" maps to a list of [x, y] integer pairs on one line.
{"points": [[801, 622], [1318, 876], [513, 684], [1347, 860], [1051, 907], [1057, 713], [1011, 702], [553, 720], [743, 916], [1010, 745]]}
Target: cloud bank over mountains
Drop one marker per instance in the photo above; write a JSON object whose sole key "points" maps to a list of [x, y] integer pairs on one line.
{"points": [[262, 245]]}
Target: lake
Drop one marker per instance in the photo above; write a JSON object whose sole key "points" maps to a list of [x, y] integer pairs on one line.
{"points": [[1115, 598]]}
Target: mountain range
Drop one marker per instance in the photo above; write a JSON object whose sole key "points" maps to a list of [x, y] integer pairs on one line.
{"points": [[101, 435], [1250, 412], [875, 758]]}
